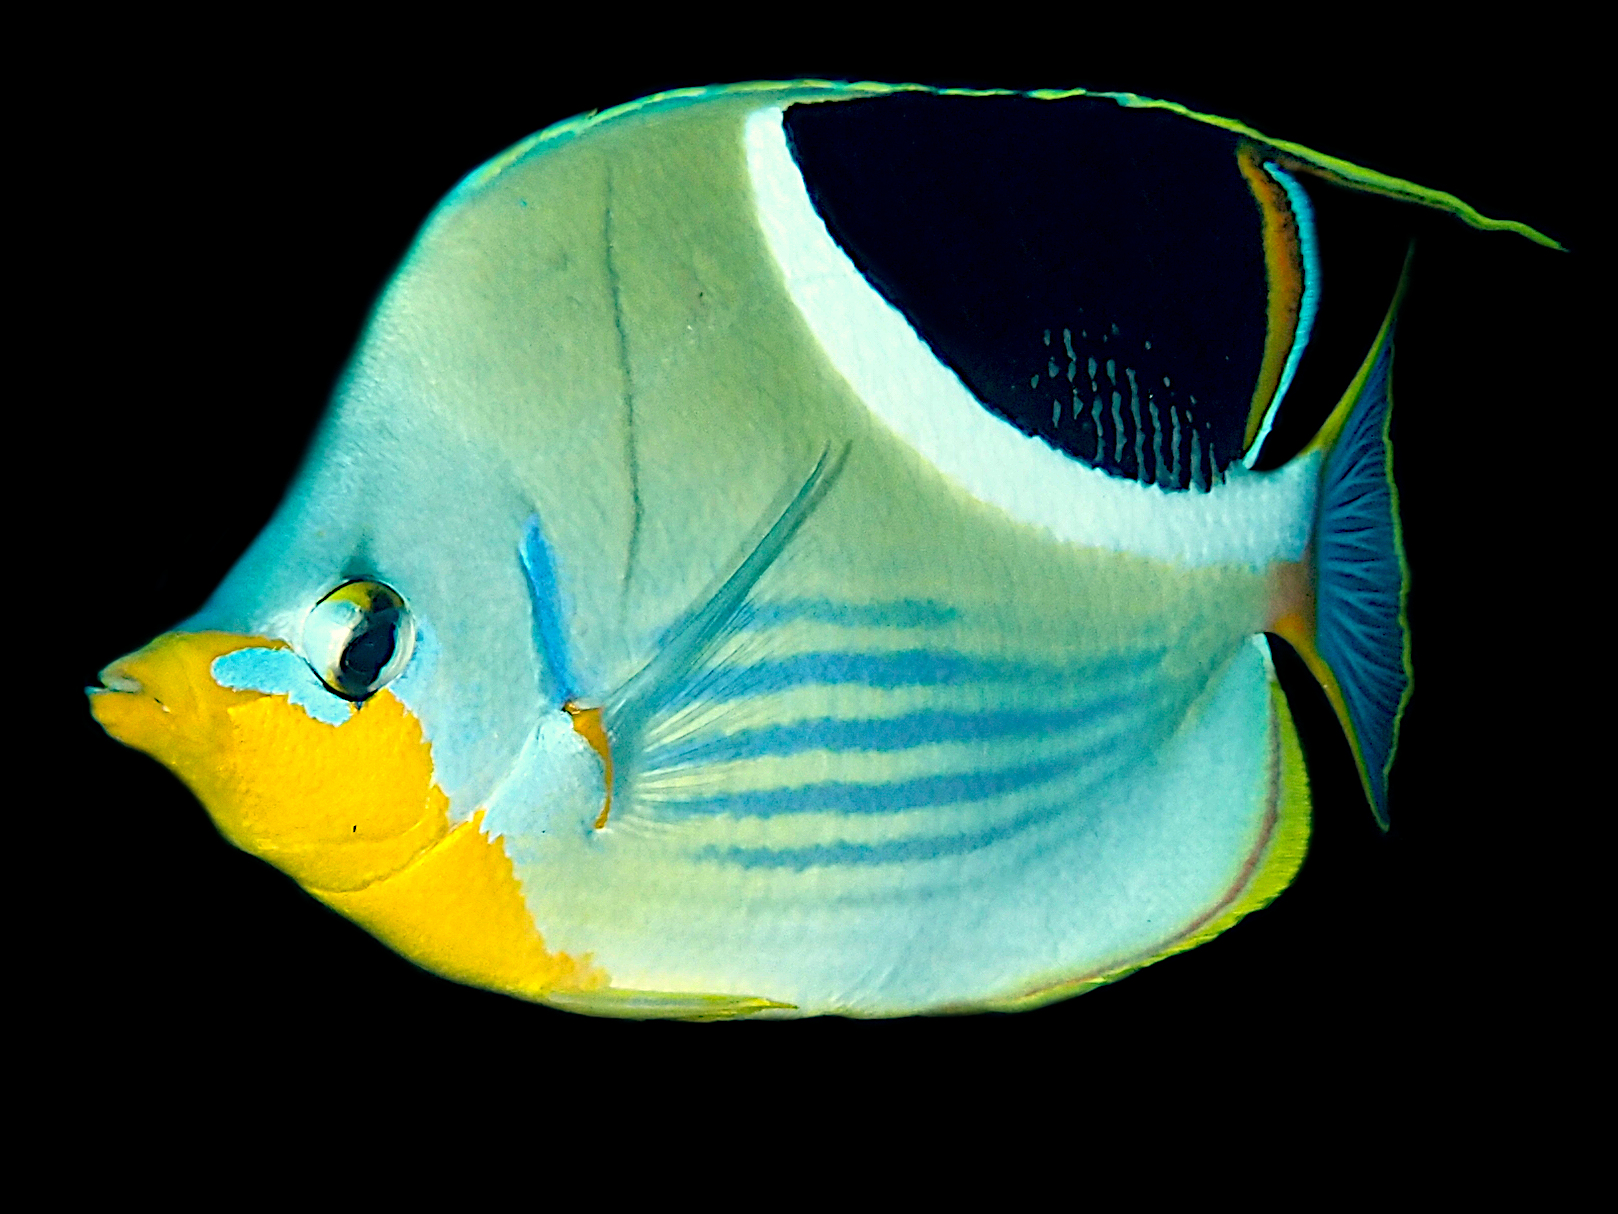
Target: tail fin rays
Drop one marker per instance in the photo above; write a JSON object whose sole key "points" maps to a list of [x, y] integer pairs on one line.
{"points": [[1361, 643]]}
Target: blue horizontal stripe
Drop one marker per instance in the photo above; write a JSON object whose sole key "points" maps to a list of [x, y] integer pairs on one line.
{"points": [[883, 733], [907, 851], [904, 668], [952, 788], [906, 613]]}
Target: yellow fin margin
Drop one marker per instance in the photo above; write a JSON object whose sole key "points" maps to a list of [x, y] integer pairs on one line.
{"points": [[1282, 857]]}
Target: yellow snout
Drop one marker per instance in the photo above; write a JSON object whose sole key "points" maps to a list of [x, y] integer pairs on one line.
{"points": [[350, 811], [336, 807]]}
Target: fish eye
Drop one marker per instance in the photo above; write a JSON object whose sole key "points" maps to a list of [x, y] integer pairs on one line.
{"points": [[358, 638]]}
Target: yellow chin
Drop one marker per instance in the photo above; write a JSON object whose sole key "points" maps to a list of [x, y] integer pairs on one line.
{"points": [[350, 811]]}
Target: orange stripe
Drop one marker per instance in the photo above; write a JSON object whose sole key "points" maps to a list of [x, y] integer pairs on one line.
{"points": [[588, 725], [1283, 266]]}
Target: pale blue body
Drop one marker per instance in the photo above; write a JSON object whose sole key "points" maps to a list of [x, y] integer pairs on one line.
{"points": [[951, 738]]}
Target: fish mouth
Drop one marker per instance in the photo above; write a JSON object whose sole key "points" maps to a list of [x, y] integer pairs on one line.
{"points": [[127, 711], [124, 707], [118, 694], [114, 678], [162, 699]]}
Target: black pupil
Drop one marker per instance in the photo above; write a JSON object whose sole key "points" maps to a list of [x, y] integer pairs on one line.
{"points": [[368, 651]]}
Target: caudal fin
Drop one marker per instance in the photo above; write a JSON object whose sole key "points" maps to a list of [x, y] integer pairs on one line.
{"points": [[1362, 641]]}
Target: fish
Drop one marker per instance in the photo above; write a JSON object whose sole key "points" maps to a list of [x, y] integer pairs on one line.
{"points": [[692, 607]]}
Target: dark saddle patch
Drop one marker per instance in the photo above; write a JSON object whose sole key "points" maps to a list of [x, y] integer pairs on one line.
{"points": [[1094, 274]]}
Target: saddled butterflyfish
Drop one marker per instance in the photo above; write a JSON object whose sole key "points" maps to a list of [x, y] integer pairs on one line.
{"points": [[818, 548]]}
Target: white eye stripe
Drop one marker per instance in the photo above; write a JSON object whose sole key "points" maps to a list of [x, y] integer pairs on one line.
{"points": [[358, 638], [327, 632]]}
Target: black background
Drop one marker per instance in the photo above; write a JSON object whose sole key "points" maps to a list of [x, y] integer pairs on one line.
{"points": [[212, 231]]}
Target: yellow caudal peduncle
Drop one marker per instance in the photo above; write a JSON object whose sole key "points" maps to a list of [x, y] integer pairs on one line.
{"points": [[351, 811]]}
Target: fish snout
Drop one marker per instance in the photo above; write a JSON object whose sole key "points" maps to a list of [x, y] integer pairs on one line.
{"points": [[163, 698], [335, 807]]}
